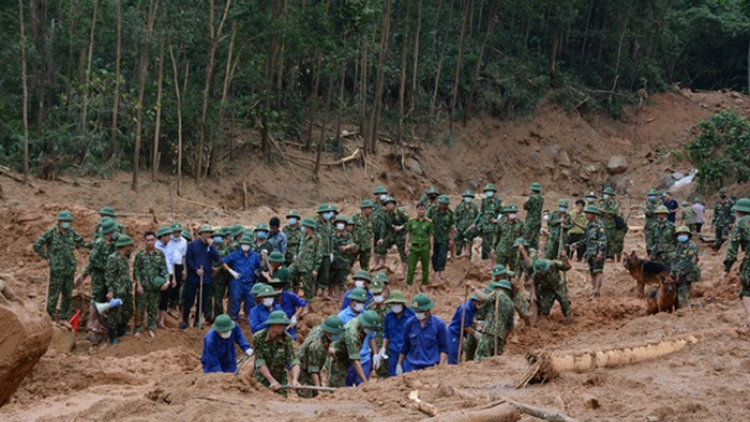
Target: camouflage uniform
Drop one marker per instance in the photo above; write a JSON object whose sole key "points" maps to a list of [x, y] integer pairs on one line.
{"points": [[340, 266], [324, 230], [552, 250], [686, 270], [495, 327], [57, 247], [381, 310], [294, 238], [509, 231], [308, 260], [220, 283], [275, 355], [688, 218], [443, 224], [610, 209], [649, 210], [146, 266], [347, 349], [100, 251], [533, 209], [662, 245], [364, 230], [390, 237], [312, 356], [464, 215], [596, 244], [740, 239], [120, 285], [551, 287], [260, 247], [490, 208], [722, 219]]}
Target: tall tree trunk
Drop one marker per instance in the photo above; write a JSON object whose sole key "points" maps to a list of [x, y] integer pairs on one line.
{"points": [[273, 49], [41, 75], [433, 103], [87, 76], [415, 60], [25, 89], [363, 87], [459, 63], [116, 106], [490, 27], [323, 128], [315, 91], [142, 73], [342, 89], [372, 130], [227, 74], [157, 129], [178, 101], [402, 78]]}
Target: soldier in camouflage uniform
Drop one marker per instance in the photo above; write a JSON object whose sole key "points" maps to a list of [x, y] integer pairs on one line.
{"points": [[308, 258], [293, 240], [262, 246], [391, 230], [107, 214], [661, 246], [649, 211], [430, 197], [342, 242], [465, 214], [740, 239], [235, 232], [119, 286], [364, 230], [102, 247], [498, 324], [444, 229], [315, 350], [275, 351], [511, 228], [56, 245], [722, 219], [347, 350], [558, 226], [486, 222], [220, 283], [149, 264], [533, 207], [324, 229], [595, 244], [609, 210], [684, 267], [380, 195], [377, 304], [549, 285], [687, 218]]}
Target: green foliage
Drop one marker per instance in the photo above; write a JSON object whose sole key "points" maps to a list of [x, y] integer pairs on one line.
{"points": [[720, 150]]}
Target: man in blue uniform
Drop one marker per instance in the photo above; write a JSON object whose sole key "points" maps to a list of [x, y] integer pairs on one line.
{"points": [[425, 338], [219, 353], [242, 265]]}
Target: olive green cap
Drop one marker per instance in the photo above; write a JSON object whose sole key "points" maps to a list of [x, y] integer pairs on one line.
{"points": [[468, 193], [683, 229], [661, 209], [396, 296], [293, 213], [65, 215], [510, 208], [186, 235], [276, 256], [359, 295], [742, 205], [377, 286], [340, 217], [592, 209], [223, 323], [696, 200], [108, 212], [500, 269], [159, 281], [380, 190], [323, 208], [309, 222], [563, 203], [381, 276], [123, 240], [176, 227], [362, 275], [431, 191], [277, 318], [257, 288], [236, 230], [685, 203], [591, 195], [609, 191], [536, 187], [366, 204], [540, 266], [489, 187], [333, 325], [266, 291], [262, 227], [389, 199], [443, 199], [109, 225], [652, 192], [505, 284], [276, 281], [520, 242], [205, 228], [163, 231], [370, 319], [247, 239], [421, 303]]}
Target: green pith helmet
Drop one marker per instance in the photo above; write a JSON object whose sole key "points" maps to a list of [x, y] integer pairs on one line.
{"points": [[443, 199], [205, 228], [591, 209], [362, 275], [257, 288], [396, 296], [163, 231], [499, 270], [293, 213], [123, 240], [186, 235], [159, 282], [109, 226], [333, 325], [377, 286], [389, 199], [381, 276], [510, 208], [380, 190], [262, 227], [536, 187], [236, 230], [323, 208], [468, 194], [366, 204], [685, 203], [591, 195], [309, 222], [421, 303], [489, 187], [276, 257], [107, 212], [696, 200], [65, 215], [223, 323], [350, 221], [683, 229], [340, 218], [334, 209], [431, 191], [505, 284], [608, 191], [742, 205], [563, 203], [475, 297], [275, 281], [176, 227], [370, 319], [277, 318], [652, 192], [266, 291], [661, 209], [247, 239], [540, 266], [521, 242], [282, 275], [359, 295]]}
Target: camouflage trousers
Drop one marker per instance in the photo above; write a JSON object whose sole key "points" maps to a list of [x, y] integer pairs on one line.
{"points": [[488, 242], [745, 278], [363, 257], [337, 369], [60, 288], [552, 248], [305, 378], [117, 318], [148, 302], [390, 240], [295, 280], [462, 237], [98, 287], [470, 348], [618, 243], [219, 291], [486, 347], [546, 298], [308, 286], [279, 376], [683, 294]]}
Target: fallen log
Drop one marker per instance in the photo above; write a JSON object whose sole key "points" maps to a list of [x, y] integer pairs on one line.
{"points": [[537, 412], [500, 412]]}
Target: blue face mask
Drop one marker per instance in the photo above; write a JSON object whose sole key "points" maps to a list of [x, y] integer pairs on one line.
{"points": [[589, 199], [468, 200], [682, 238], [489, 194], [328, 215], [261, 235], [292, 221], [303, 229], [652, 198], [218, 239], [562, 210], [662, 219], [605, 196]]}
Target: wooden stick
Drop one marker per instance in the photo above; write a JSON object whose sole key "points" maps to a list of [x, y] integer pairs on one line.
{"points": [[244, 195], [538, 412], [310, 387], [463, 321]]}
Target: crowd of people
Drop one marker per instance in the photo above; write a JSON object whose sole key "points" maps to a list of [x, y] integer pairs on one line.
{"points": [[272, 277]]}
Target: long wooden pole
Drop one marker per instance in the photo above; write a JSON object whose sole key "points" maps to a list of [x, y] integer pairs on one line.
{"points": [[463, 321]]}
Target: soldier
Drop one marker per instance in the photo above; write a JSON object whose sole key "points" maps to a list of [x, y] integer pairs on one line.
{"points": [[242, 265], [591, 198], [741, 239], [381, 194], [533, 207], [425, 338], [119, 286], [649, 209], [56, 245], [464, 313], [575, 234], [661, 246], [511, 228], [420, 238], [308, 258], [362, 280], [293, 238], [101, 249], [465, 214], [294, 306], [595, 244], [364, 230], [487, 219], [236, 232], [341, 243], [275, 354], [391, 230], [219, 353], [444, 227], [265, 297], [315, 349], [107, 214], [684, 267], [149, 264], [163, 234], [722, 218], [325, 251], [393, 328], [549, 286], [687, 218], [220, 288], [559, 223], [609, 210], [276, 268], [377, 304], [262, 246], [498, 325], [344, 367], [430, 197]]}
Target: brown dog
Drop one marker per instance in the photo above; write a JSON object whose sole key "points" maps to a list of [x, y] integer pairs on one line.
{"points": [[644, 271], [664, 299]]}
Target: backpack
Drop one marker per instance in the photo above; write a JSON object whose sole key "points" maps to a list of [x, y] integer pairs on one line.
{"points": [[620, 223]]}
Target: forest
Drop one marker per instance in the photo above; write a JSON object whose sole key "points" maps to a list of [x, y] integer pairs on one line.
{"points": [[92, 87]]}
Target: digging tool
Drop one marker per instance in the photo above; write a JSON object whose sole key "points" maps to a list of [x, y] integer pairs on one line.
{"points": [[560, 252], [497, 311], [463, 320], [200, 303], [310, 387], [241, 363], [533, 306]]}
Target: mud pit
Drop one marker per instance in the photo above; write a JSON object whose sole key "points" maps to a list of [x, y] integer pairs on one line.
{"points": [[146, 379]]}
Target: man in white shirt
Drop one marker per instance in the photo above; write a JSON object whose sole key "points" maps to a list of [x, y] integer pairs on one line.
{"points": [[700, 214], [175, 252]]}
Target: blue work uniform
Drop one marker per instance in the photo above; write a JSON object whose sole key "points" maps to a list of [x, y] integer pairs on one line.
{"points": [[289, 303], [393, 330], [423, 344], [240, 289], [454, 329], [346, 302], [220, 355], [365, 354], [259, 316]]}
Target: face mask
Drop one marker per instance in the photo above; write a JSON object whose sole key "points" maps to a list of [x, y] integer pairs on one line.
{"points": [[245, 248], [261, 235], [421, 315], [605, 196], [175, 237], [268, 302], [218, 239], [303, 229], [369, 331], [225, 335], [590, 199], [65, 225], [359, 284], [378, 298], [512, 216], [292, 221], [397, 308], [383, 197], [682, 238], [467, 200], [662, 219], [652, 198], [562, 210], [546, 217], [358, 307], [340, 226], [328, 215], [489, 194]]}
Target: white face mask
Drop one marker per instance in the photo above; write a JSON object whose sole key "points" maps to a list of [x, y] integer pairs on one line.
{"points": [[605, 196], [489, 194], [421, 315], [358, 307], [340, 226], [562, 210], [397, 309], [268, 302], [546, 217], [369, 331], [225, 335], [245, 248], [303, 229], [383, 197], [292, 220], [378, 298], [512, 216], [359, 284]]}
